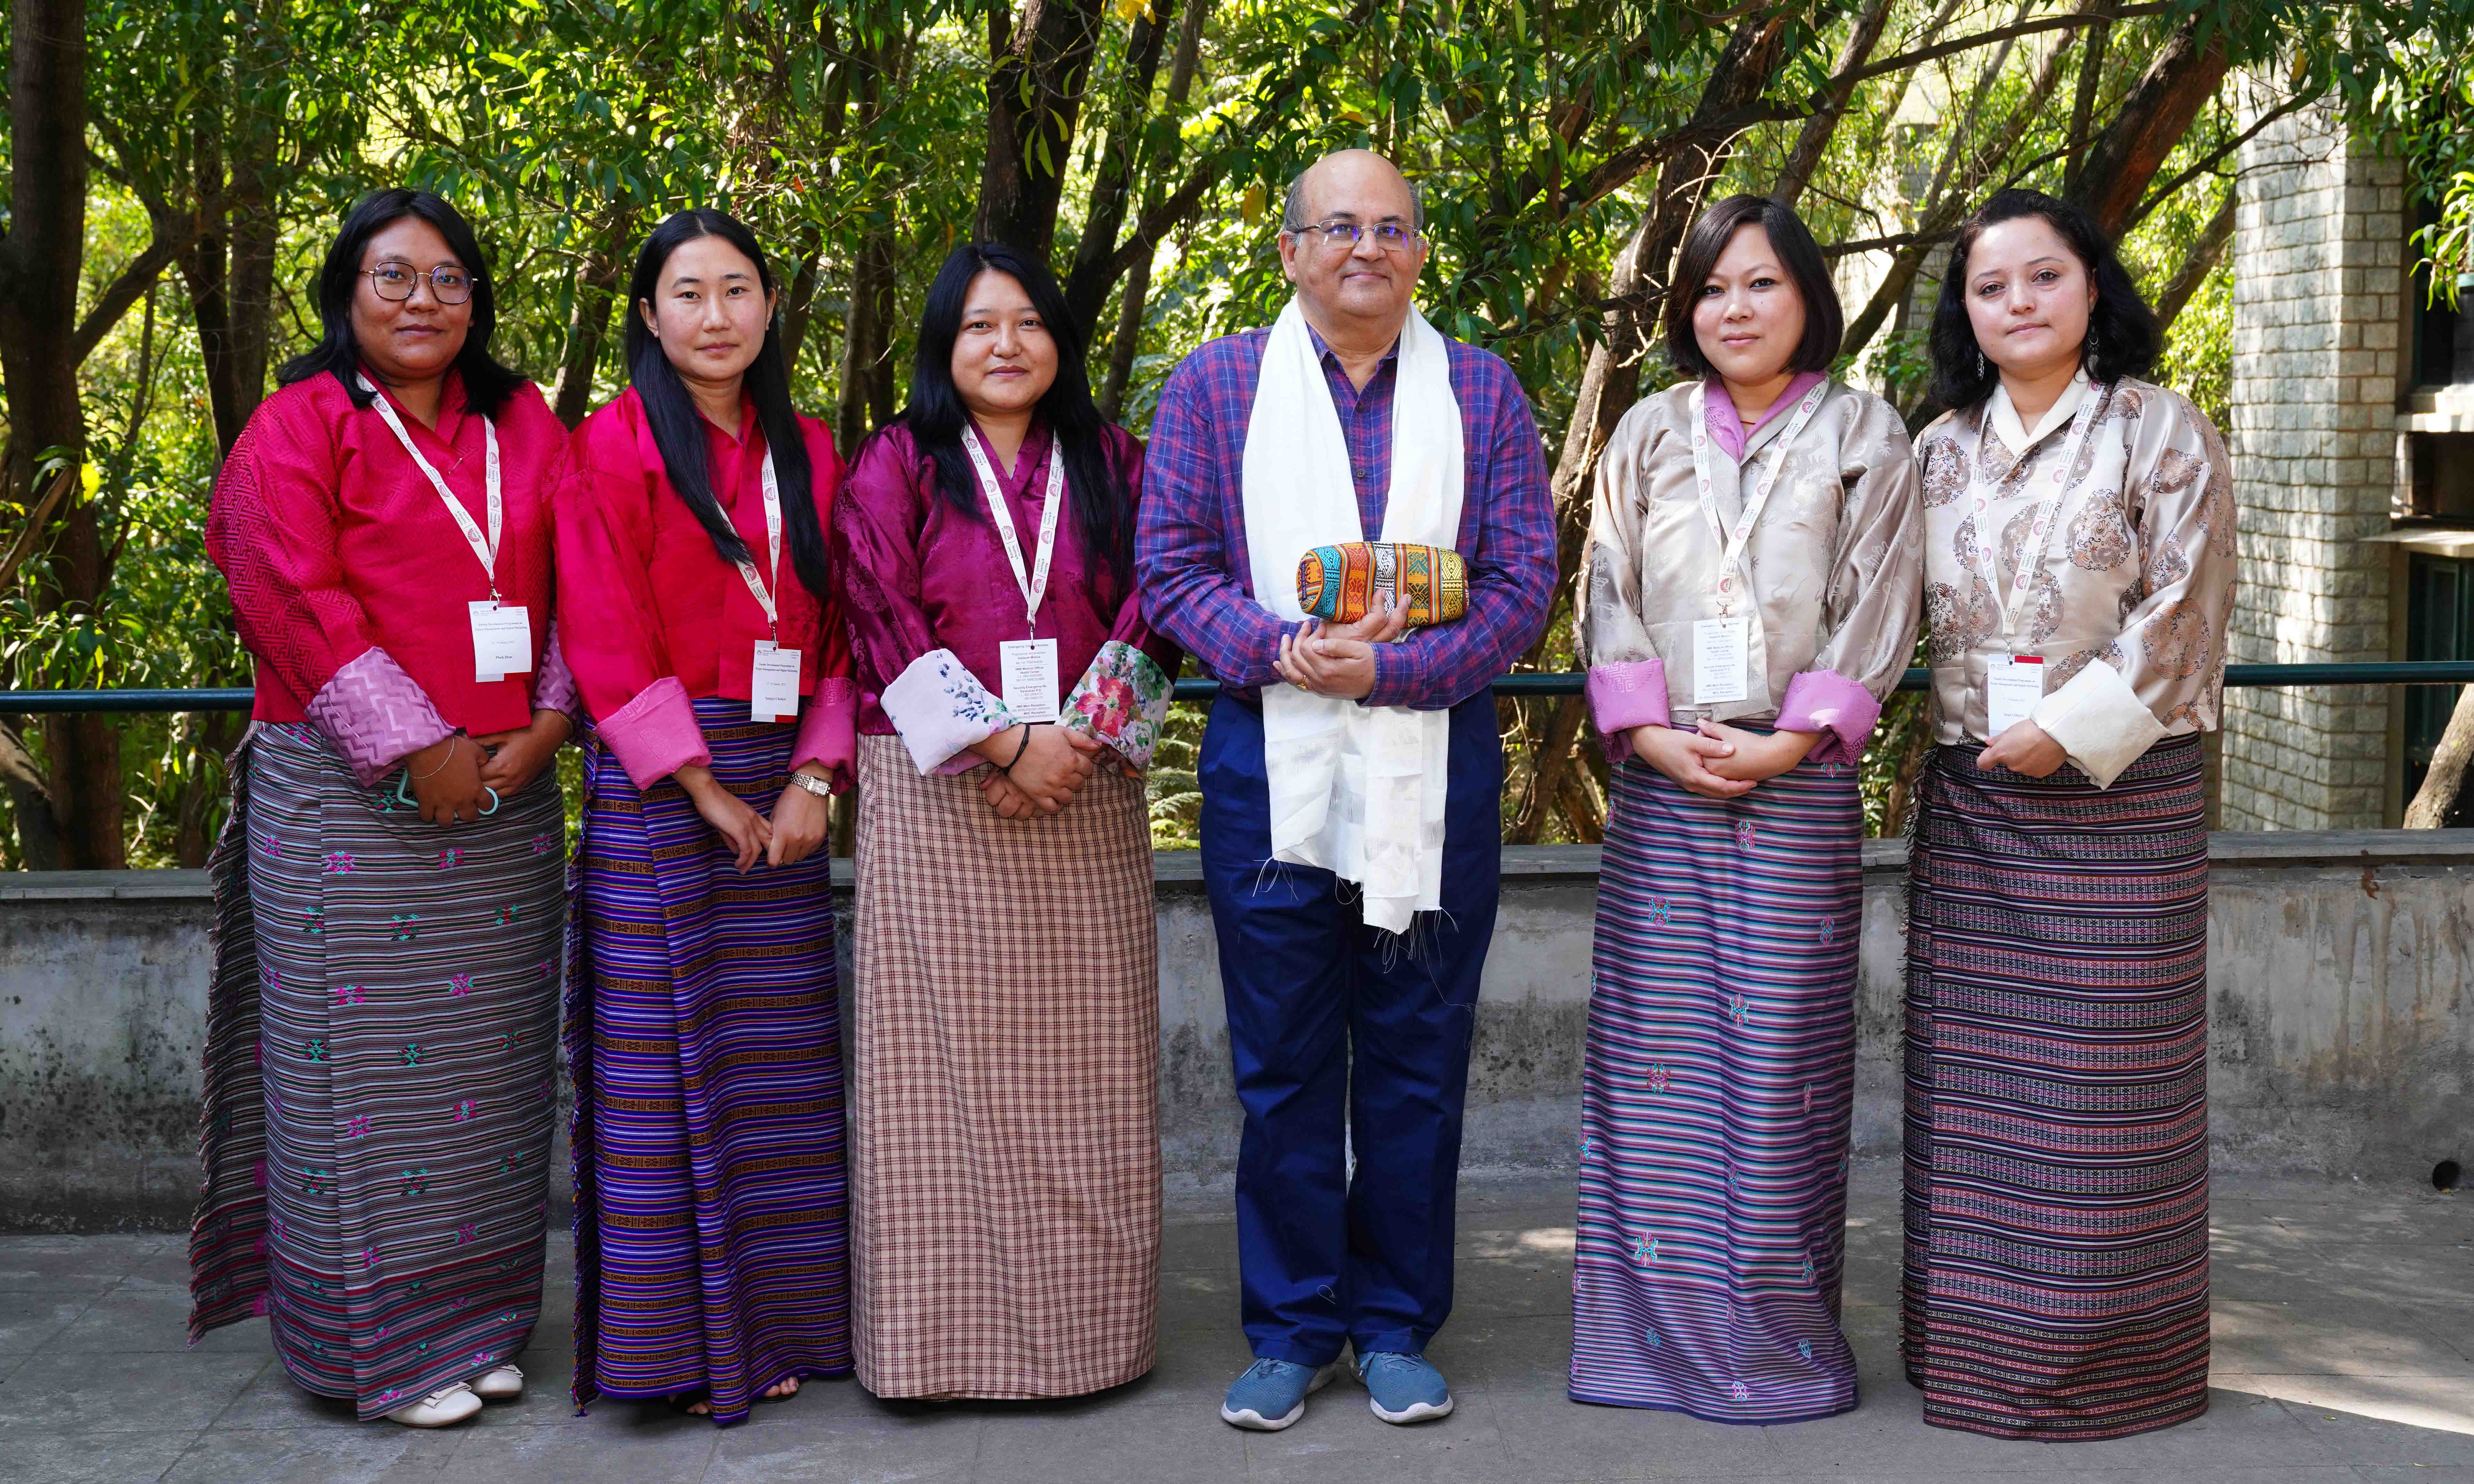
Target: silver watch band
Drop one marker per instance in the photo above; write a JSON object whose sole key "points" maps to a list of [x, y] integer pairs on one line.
{"points": [[821, 787]]}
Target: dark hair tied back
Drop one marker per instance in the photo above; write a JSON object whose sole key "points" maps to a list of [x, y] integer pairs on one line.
{"points": [[935, 414], [678, 429], [487, 384], [2123, 336], [1825, 324]]}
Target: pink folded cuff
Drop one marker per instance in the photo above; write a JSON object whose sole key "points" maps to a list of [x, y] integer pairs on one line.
{"points": [[554, 684], [1828, 702], [655, 734], [1624, 694], [829, 730], [375, 714]]}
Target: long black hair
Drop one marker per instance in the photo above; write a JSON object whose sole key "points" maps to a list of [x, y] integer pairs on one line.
{"points": [[935, 415], [2123, 336], [487, 384], [1823, 321], [670, 411]]}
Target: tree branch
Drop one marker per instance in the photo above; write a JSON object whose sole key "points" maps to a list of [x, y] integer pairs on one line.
{"points": [[2207, 166], [2011, 32], [2198, 264]]}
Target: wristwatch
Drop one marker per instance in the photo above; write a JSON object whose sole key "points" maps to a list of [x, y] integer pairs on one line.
{"points": [[821, 787]]}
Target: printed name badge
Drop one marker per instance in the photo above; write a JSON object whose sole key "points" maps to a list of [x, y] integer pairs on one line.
{"points": [[502, 640], [1721, 655], [2013, 684], [1029, 667], [773, 686]]}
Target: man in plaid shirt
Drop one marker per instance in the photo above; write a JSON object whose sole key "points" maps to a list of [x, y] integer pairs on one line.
{"points": [[1342, 1032]]}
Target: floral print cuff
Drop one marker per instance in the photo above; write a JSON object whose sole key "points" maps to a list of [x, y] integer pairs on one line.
{"points": [[1121, 699], [1624, 694], [375, 714], [940, 708], [1828, 702]]}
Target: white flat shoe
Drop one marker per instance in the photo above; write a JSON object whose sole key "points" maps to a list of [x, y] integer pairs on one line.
{"points": [[504, 1384], [441, 1408]]}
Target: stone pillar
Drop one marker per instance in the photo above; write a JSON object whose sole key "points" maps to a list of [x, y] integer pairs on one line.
{"points": [[2318, 282]]}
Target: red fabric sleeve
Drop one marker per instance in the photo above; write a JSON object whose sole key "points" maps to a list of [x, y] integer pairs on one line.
{"points": [[608, 625], [271, 529]]}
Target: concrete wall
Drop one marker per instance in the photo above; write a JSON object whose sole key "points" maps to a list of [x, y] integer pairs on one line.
{"points": [[2339, 972], [2318, 284]]}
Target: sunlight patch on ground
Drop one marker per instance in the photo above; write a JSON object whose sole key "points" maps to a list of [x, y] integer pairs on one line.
{"points": [[2444, 1404], [1525, 1242]]}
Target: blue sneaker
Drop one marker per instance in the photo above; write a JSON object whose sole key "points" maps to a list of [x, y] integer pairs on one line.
{"points": [[1403, 1388], [1272, 1394]]}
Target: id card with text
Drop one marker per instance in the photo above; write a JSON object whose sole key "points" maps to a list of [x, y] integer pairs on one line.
{"points": [[502, 640], [773, 684], [1030, 674], [1721, 656], [2013, 684]]}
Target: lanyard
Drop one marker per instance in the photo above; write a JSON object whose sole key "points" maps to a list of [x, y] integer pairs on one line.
{"points": [[484, 548], [2031, 551], [1035, 584], [1731, 547], [772, 550]]}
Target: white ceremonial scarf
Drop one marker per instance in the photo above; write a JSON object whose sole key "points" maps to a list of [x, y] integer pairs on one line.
{"points": [[1355, 789]]}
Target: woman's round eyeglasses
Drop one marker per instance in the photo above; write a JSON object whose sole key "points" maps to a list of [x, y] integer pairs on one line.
{"points": [[1389, 236], [395, 283]]}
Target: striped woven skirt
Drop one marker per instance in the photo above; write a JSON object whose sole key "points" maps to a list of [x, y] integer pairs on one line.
{"points": [[2056, 1256], [379, 1076], [704, 1036], [1007, 1123], [1715, 1097]]}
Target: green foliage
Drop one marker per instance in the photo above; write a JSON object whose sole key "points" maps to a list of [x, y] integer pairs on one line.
{"points": [[1536, 129]]}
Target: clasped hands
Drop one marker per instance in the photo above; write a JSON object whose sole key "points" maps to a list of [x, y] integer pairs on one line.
{"points": [[1338, 660], [1047, 769], [452, 777], [1719, 761]]}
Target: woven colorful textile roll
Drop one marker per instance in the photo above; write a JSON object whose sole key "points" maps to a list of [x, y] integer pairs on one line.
{"points": [[1338, 584]]}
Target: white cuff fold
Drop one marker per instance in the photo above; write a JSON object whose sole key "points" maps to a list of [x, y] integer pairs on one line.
{"points": [[2100, 721]]}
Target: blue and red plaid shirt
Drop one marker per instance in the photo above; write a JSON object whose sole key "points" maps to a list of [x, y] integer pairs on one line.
{"points": [[1190, 544]]}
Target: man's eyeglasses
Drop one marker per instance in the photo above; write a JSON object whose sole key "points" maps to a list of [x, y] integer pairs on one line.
{"points": [[1389, 236], [395, 283]]}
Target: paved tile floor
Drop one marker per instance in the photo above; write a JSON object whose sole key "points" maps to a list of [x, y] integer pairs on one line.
{"points": [[2344, 1352]]}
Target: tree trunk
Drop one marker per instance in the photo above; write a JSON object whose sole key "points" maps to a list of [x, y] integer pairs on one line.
{"points": [[2198, 264], [1813, 140], [2436, 799], [1112, 185], [1127, 342], [597, 280], [867, 342], [1038, 66], [2185, 74], [799, 300], [29, 802], [2083, 97], [39, 261]]}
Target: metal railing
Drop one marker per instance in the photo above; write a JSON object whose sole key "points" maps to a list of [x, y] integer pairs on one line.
{"points": [[2382, 672]]}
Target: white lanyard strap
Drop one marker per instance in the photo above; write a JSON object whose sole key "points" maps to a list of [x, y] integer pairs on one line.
{"points": [[772, 550], [2031, 551], [1730, 548], [484, 547], [1035, 582]]}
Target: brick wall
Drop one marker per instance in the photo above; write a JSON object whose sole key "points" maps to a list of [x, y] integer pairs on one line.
{"points": [[2318, 241]]}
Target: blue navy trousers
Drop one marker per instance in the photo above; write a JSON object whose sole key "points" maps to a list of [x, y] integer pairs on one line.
{"points": [[1343, 1034]]}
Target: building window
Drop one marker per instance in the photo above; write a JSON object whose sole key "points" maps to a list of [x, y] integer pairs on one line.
{"points": [[2439, 625]]}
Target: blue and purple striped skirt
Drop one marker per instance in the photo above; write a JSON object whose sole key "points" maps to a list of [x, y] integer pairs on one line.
{"points": [[712, 1232], [1715, 1099]]}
